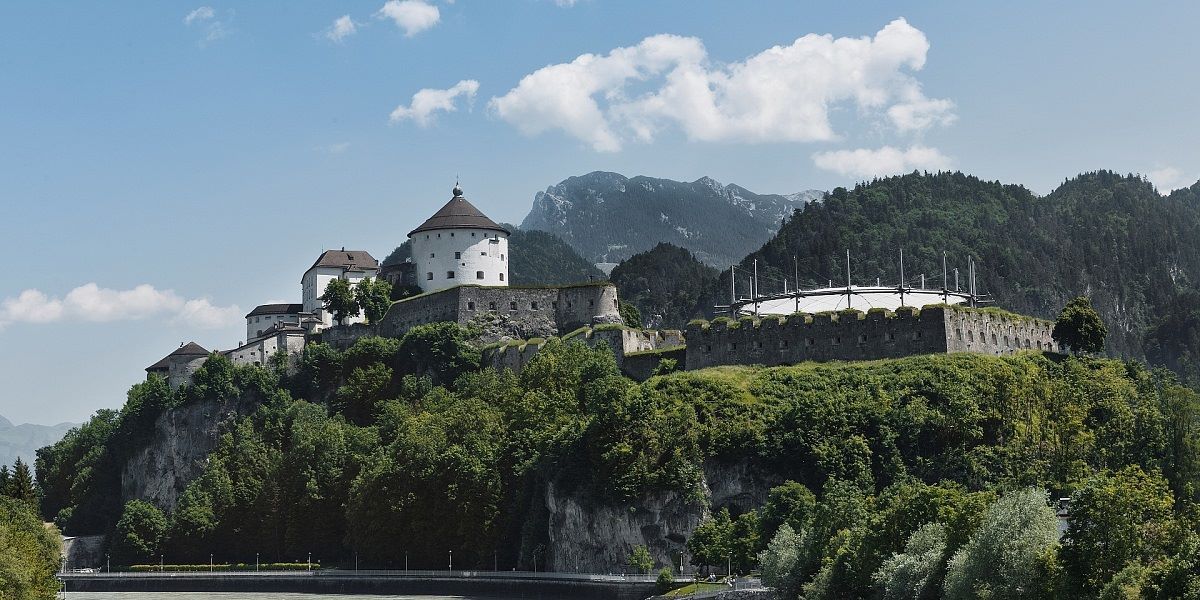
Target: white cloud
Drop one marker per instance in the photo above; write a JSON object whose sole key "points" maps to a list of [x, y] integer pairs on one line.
{"points": [[784, 93], [205, 19], [413, 16], [566, 3], [92, 303], [866, 163], [203, 13], [336, 148], [1168, 179], [342, 28], [428, 101]]}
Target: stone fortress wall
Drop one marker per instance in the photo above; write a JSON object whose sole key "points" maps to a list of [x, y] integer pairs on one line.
{"points": [[513, 312], [637, 350], [853, 335]]}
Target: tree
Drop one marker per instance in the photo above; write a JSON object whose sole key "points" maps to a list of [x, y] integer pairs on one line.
{"points": [[710, 542], [20, 484], [665, 581], [1079, 327], [629, 314], [1116, 517], [909, 574], [339, 300], [29, 553], [784, 562], [374, 296], [640, 559], [139, 534], [1005, 556]]}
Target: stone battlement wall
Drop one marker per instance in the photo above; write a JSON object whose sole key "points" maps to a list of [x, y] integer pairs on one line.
{"points": [[515, 312], [852, 335]]}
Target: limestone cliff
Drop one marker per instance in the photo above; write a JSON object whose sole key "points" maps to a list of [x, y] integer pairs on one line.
{"points": [[587, 534], [178, 450]]}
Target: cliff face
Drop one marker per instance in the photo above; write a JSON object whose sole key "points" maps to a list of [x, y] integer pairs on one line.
{"points": [[178, 451], [588, 535]]}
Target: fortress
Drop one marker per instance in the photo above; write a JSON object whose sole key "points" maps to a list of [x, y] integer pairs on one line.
{"points": [[460, 263]]}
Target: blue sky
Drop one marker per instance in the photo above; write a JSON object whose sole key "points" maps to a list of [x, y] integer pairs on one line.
{"points": [[166, 166]]}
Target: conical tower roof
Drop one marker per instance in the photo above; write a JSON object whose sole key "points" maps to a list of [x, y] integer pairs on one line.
{"points": [[458, 214]]}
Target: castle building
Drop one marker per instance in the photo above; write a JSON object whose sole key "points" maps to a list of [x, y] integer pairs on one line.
{"points": [[178, 366], [459, 245], [351, 265], [265, 316]]}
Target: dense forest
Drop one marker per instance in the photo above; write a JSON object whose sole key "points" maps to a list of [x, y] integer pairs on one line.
{"points": [[403, 448], [1111, 236], [668, 282]]}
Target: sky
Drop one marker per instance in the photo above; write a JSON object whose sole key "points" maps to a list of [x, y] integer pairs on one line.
{"points": [[166, 166]]}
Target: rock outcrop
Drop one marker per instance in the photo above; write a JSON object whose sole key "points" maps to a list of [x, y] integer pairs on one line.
{"points": [[587, 534], [178, 450]]}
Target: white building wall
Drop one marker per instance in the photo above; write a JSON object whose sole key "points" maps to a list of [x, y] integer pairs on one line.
{"points": [[259, 323], [449, 257], [312, 287]]}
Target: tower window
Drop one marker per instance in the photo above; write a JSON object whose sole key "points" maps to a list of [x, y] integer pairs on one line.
{"points": [[533, 305], [491, 306], [472, 234], [512, 306], [501, 257], [451, 234], [478, 274], [449, 274], [429, 276], [430, 255], [470, 306], [502, 277], [483, 253], [457, 255]]}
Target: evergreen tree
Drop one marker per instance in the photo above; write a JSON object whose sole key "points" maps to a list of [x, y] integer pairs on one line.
{"points": [[20, 484], [1079, 327]]}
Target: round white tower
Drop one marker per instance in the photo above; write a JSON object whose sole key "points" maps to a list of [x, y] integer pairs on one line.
{"points": [[459, 245]]}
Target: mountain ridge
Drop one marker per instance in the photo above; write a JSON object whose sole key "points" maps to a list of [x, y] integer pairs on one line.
{"points": [[608, 217]]}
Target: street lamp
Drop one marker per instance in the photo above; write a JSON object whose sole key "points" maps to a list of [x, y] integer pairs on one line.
{"points": [[451, 561], [310, 561], [255, 562], [210, 562]]}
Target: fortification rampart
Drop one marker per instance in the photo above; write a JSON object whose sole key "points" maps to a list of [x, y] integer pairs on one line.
{"points": [[637, 350], [515, 312], [853, 335]]}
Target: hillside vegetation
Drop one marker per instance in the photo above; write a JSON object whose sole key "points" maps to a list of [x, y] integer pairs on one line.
{"points": [[666, 281], [1109, 236], [407, 440]]}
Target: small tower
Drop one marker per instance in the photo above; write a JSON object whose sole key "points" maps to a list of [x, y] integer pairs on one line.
{"points": [[459, 245]]}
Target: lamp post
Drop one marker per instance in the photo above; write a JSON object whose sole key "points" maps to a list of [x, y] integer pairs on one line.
{"points": [[310, 561], [210, 562], [451, 561], [161, 563], [405, 561], [255, 562], [108, 562]]}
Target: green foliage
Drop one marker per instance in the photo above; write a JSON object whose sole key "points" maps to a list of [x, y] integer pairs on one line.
{"points": [[666, 365], [1117, 517], [665, 581], [640, 560], [338, 299], [630, 314], [1173, 340], [399, 255], [30, 553], [785, 561], [139, 534], [710, 543], [374, 297], [666, 281], [19, 484], [442, 351], [1006, 556], [1079, 327], [911, 574]]}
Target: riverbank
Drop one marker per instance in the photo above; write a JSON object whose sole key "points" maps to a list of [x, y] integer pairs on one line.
{"points": [[540, 586]]}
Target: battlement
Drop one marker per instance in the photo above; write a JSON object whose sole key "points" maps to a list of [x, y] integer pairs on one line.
{"points": [[854, 335]]}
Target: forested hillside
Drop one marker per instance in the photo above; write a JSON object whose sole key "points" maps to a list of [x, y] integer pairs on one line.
{"points": [[608, 217], [1109, 236], [400, 448], [666, 281]]}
